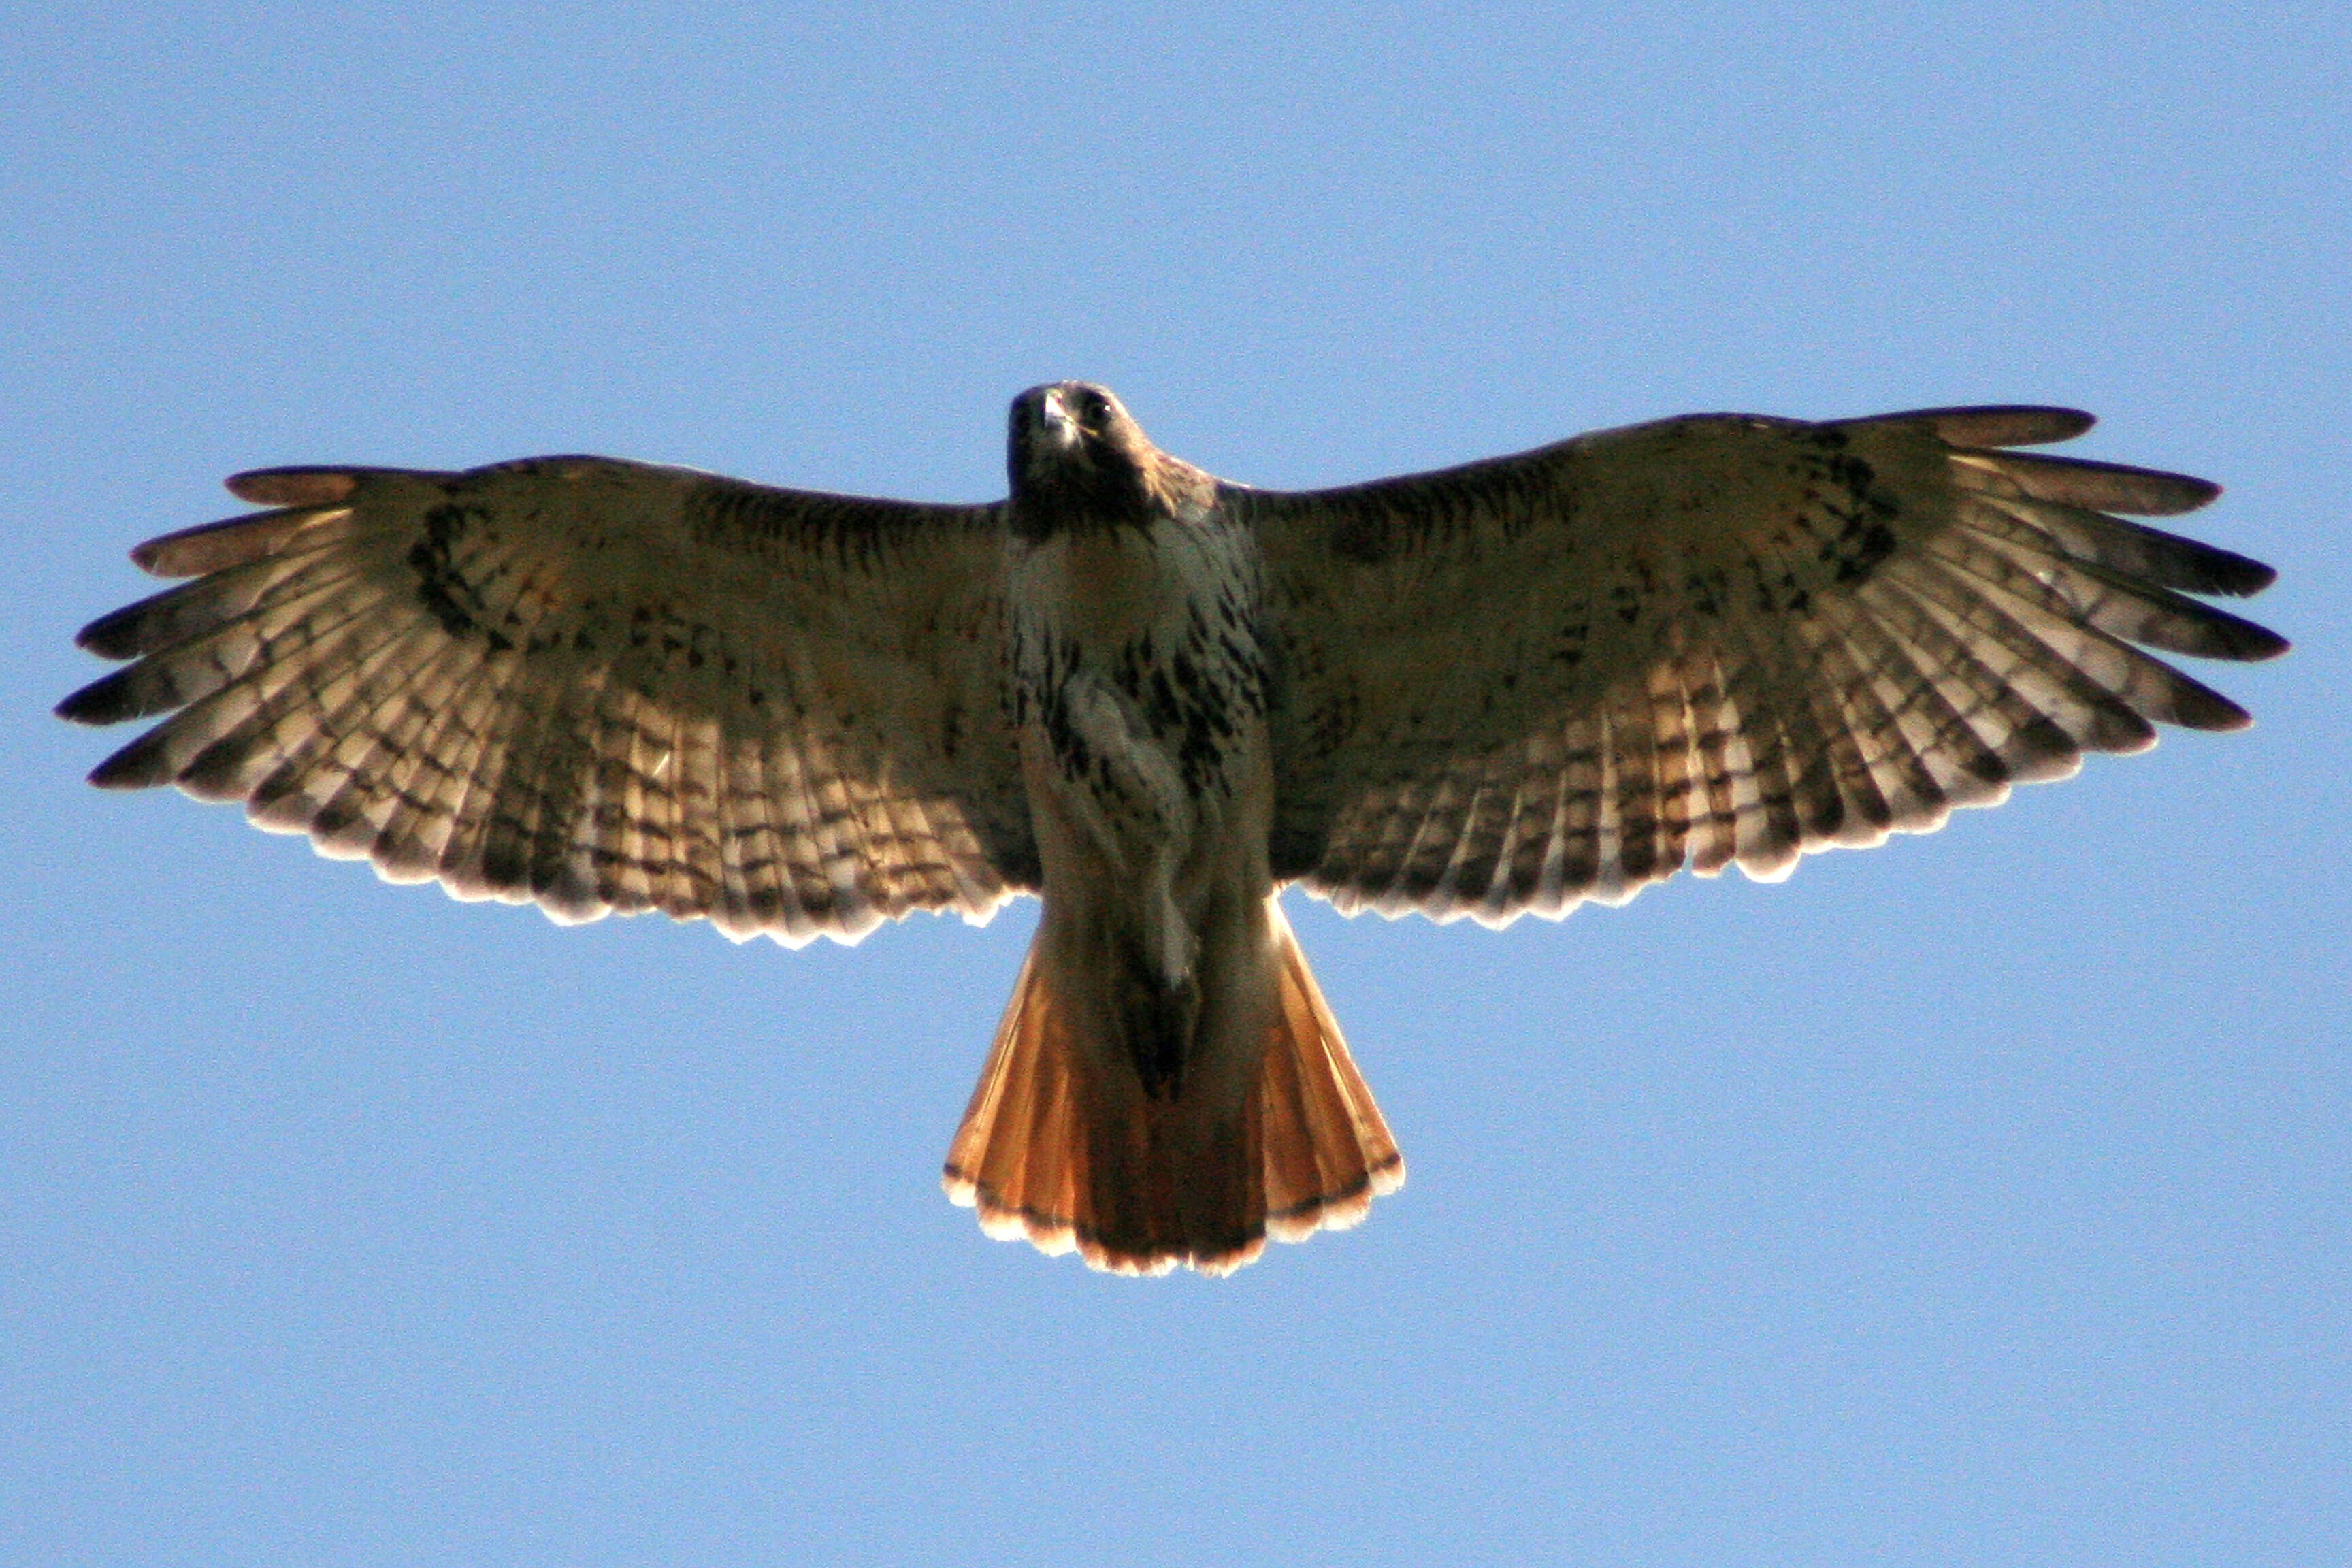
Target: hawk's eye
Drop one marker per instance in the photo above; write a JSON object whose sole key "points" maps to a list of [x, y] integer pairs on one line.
{"points": [[1094, 408]]}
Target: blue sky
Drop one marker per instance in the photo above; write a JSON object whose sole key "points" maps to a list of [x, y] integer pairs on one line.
{"points": [[1980, 1199]]}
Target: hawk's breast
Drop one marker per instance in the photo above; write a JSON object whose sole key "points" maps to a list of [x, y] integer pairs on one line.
{"points": [[1137, 668]]}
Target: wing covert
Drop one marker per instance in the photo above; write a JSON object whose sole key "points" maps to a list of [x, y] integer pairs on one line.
{"points": [[597, 685], [1715, 640]]}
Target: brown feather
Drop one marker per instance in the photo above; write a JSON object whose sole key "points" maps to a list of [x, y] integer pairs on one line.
{"points": [[217, 546], [294, 487], [1992, 425], [2102, 487]]}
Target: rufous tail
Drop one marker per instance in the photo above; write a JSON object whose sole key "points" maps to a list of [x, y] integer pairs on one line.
{"points": [[1050, 1152]]}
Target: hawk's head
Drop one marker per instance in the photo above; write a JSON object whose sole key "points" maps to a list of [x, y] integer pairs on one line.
{"points": [[1077, 458]]}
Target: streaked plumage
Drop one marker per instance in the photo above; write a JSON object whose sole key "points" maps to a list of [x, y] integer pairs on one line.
{"points": [[1154, 698]]}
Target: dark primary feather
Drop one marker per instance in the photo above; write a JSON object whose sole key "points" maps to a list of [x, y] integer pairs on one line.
{"points": [[600, 686], [1989, 425], [1522, 683]]}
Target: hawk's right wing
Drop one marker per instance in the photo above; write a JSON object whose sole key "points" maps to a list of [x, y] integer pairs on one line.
{"points": [[1715, 640], [596, 685]]}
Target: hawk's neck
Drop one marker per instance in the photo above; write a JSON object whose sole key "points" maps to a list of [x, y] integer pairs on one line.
{"points": [[1108, 497]]}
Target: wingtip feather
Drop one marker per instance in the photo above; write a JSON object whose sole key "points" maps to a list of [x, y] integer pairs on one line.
{"points": [[1995, 424], [99, 702], [2242, 577], [142, 764], [295, 486], [213, 546]]}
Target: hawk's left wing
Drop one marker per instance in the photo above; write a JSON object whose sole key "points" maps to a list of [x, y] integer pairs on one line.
{"points": [[594, 685], [1720, 639]]}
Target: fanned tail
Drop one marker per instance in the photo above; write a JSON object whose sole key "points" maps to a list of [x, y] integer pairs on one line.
{"points": [[1060, 1150], [1327, 1150]]}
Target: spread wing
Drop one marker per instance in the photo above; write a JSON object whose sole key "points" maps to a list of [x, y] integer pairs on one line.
{"points": [[597, 685], [1723, 639]]}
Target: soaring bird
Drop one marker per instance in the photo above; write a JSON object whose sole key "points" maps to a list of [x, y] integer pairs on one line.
{"points": [[1154, 698]]}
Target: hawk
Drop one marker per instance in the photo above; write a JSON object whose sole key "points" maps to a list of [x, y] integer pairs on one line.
{"points": [[1154, 698]]}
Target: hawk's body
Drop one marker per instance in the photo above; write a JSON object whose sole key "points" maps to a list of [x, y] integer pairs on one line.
{"points": [[1154, 698], [1150, 1097]]}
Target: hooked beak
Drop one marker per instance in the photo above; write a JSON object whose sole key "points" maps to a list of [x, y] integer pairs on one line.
{"points": [[1060, 430]]}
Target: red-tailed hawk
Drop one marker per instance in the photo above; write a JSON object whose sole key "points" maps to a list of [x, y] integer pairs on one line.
{"points": [[1154, 698]]}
